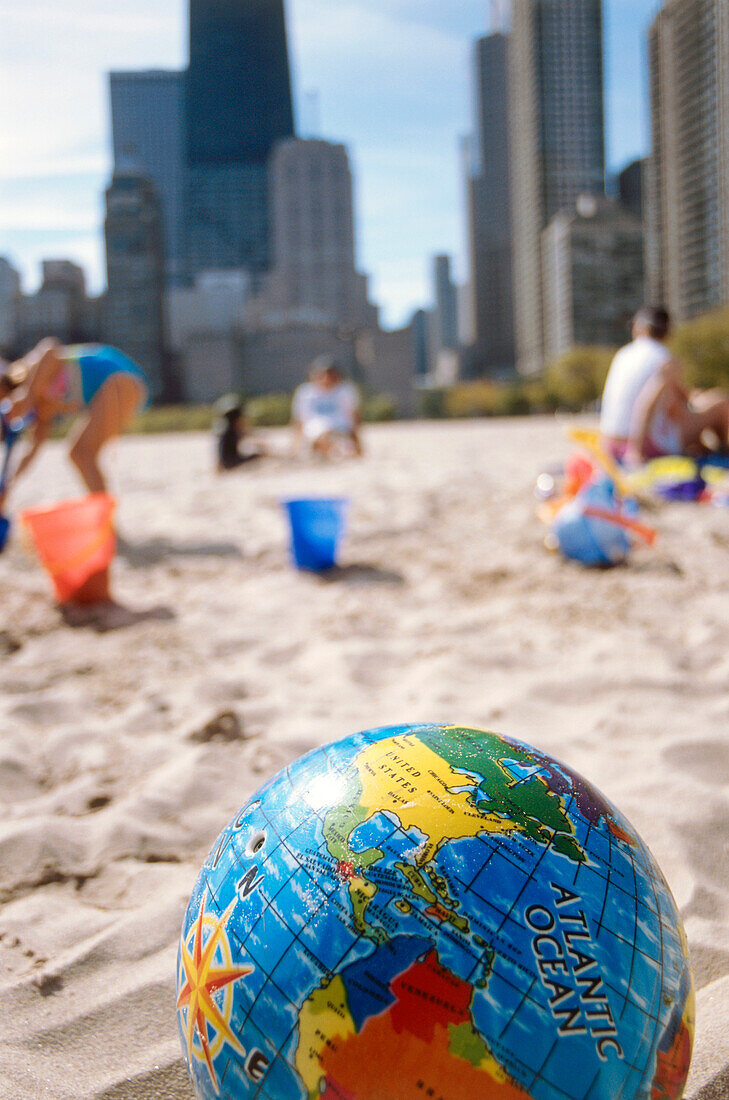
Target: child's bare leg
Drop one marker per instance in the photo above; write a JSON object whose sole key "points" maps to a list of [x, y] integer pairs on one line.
{"points": [[704, 399], [712, 417], [323, 444], [109, 414], [83, 453]]}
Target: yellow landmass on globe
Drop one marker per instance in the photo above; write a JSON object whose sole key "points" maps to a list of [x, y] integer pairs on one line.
{"points": [[325, 1024], [404, 777], [689, 1010]]}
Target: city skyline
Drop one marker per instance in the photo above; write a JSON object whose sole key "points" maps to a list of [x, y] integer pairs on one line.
{"points": [[398, 95]]}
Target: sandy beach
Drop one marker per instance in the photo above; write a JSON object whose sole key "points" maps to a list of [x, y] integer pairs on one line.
{"points": [[129, 741]]}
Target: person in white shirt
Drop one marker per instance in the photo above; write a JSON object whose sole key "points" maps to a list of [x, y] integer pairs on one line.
{"points": [[647, 411], [326, 411]]}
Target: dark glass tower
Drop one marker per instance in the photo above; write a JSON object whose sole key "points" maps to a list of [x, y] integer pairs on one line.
{"points": [[147, 125], [133, 306], [489, 212], [238, 106], [239, 88]]}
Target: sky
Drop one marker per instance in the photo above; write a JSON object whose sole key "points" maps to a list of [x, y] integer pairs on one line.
{"points": [[389, 78]]}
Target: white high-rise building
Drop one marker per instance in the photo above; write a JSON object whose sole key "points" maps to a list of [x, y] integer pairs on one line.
{"points": [[593, 275], [688, 176], [147, 126], [314, 274], [557, 141], [9, 305]]}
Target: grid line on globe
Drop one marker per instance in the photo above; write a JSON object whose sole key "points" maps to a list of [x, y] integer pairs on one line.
{"points": [[431, 911]]}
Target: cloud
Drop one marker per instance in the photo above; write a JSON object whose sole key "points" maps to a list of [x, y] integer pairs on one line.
{"points": [[466, 18], [457, 20], [45, 209], [44, 24], [27, 250], [71, 164], [377, 76], [53, 64], [54, 215]]}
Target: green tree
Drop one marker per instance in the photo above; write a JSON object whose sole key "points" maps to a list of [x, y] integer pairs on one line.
{"points": [[577, 378], [702, 347]]}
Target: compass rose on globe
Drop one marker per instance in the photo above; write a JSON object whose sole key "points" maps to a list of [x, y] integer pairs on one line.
{"points": [[205, 967]]}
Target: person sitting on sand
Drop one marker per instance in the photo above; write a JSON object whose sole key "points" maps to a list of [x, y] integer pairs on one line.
{"points": [[100, 383], [647, 411], [326, 411], [230, 430]]}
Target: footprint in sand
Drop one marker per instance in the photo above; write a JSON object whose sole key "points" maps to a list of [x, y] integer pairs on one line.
{"points": [[229, 647], [45, 712], [48, 984], [705, 760], [708, 964], [705, 841], [98, 802], [704, 904], [281, 655], [225, 726], [373, 669], [17, 784], [9, 644], [221, 691]]}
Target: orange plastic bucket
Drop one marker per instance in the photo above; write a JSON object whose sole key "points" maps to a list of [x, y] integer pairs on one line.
{"points": [[76, 542]]}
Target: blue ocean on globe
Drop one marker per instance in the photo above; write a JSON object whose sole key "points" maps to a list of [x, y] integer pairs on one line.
{"points": [[433, 911]]}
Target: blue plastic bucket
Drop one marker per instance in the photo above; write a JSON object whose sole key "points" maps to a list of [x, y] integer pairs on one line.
{"points": [[317, 527]]}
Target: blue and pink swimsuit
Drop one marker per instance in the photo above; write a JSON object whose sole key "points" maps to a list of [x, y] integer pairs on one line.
{"points": [[88, 366]]}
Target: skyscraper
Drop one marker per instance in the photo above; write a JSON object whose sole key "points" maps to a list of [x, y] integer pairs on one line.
{"points": [[239, 89], [630, 187], [58, 306], [489, 211], [135, 274], [238, 105], [9, 306], [593, 275], [445, 306], [313, 257], [557, 140], [688, 177], [147, 124]]}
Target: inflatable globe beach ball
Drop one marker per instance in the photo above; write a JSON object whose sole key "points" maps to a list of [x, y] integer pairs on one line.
{"points": [[431, 911], [587, 538]]}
